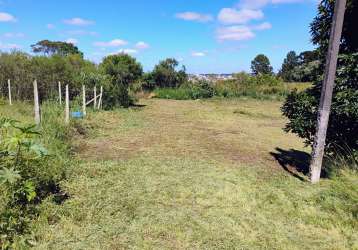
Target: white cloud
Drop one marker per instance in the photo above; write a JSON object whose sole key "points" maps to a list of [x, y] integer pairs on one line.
{"points": [[9, 46], [262, 26], [233, 16], [50, 26], [142, 45], [74, 41], [6, 17], [14, 35], [128, 51], [78, 21], [194, 16], [113, 43], [198, 54], [234, 33]]}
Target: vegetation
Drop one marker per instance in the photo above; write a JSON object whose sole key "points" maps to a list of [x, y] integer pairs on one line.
{"points": [[301, 108], [33, 162], [300, 68], [261, 65], [258, 87], [122, 70], [50, 48], [22, 69], [165, 75]]}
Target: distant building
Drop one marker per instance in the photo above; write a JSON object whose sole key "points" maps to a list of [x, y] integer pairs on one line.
{"points": [[210, 77]]}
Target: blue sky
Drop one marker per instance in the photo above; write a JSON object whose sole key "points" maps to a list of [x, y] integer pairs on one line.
{"points": [[220, 36]]}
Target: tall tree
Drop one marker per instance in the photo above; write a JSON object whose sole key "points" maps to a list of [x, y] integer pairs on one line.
{"points": [[288, 66], [122, 70], [50, 48], [261, 65], [165, 74]]}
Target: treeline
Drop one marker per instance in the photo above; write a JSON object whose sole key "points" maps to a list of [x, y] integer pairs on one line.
{"points": [[300, 68], [55, 61]]}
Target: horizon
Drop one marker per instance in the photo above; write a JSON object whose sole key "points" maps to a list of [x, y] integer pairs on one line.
{"points": [[217, 38]]}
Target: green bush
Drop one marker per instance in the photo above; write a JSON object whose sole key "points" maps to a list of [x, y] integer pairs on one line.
{"points": [[188, 91], [302, 108], [33, 161], [243, 84], [122, 70]]}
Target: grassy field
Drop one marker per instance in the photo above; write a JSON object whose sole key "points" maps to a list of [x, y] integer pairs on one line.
{"points": [[213, 174]]}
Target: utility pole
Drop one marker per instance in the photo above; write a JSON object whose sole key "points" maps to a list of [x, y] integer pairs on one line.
{"points": [[327, 91]]}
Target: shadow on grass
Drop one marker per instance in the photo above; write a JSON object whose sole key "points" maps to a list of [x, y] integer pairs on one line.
{"points": [[137, 106], [293, 161]]}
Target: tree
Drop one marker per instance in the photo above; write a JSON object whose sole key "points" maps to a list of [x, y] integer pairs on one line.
{"points": [[261, 65], [301, 108], [308, 56], [165, 74], [122, 70], [50, 48], [288, 67]]}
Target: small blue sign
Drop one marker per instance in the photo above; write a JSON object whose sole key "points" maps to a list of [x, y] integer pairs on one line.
{"points": [[77, 114]]}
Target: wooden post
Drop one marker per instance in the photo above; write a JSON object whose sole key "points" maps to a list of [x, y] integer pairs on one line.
{"points": [[100, 99], [36, 104], [95, 97], [84, 100], [9, 87], [59, 93], [67, 108], [327, 91]]}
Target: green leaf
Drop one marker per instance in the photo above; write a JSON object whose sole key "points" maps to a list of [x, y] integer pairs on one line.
{"points": [[9, 176], [39, 150]]}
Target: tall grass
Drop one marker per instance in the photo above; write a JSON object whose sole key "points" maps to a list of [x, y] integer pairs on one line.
{"points": [[264, 87]]}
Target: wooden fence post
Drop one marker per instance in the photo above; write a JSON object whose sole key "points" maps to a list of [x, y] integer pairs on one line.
{"points": [[67, 108], [84, 100], [59, 93], [9, 87], [36, 104], [95, 97], [100, 99]]}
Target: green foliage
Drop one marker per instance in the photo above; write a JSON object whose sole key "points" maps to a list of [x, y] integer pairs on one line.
{"points": [[289, 64], [22, 69], [243, 84], [300, 68], [50, 48], [261, 65], [165, 74], [122, 70], [321, 27], [301, 108], [188, 91], [32, 163]]}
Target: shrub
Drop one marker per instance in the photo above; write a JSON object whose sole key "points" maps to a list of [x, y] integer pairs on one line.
{"points": [[122, 70], [188, 91], [166, 75], [32, 163], [301, 108]]}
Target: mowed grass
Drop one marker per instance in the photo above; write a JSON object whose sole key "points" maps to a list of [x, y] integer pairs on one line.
{"points": [[196, 175]]}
